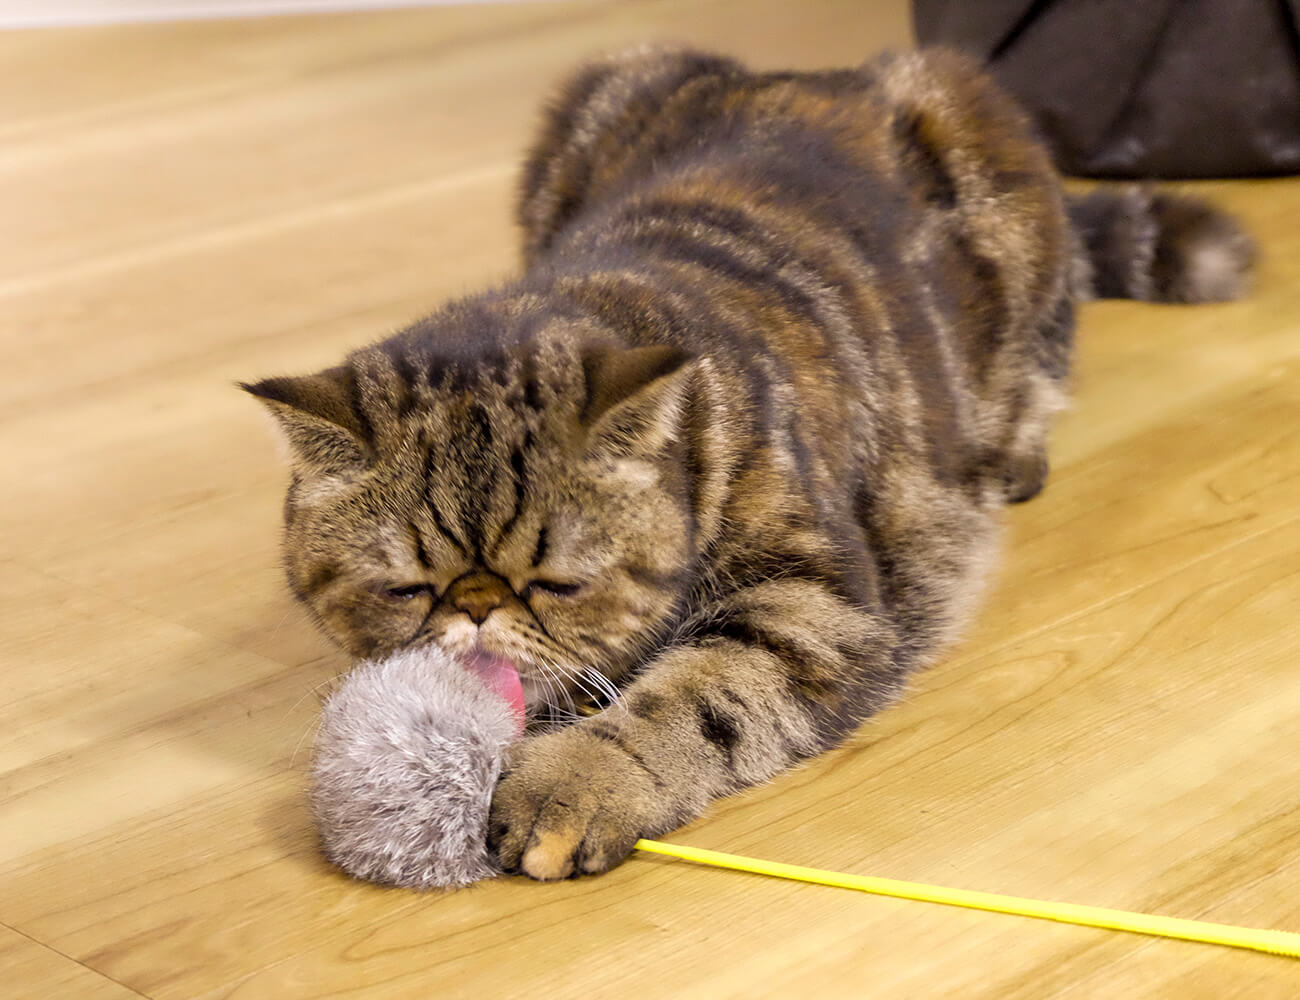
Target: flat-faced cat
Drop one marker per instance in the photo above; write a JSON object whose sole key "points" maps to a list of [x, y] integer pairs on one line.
{"points": [[727, 461]]}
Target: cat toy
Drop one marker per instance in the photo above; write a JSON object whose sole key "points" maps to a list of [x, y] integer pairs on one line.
{"points": [[409, 752]]}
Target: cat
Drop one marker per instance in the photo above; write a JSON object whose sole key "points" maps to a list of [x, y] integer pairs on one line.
{"points": [[725, 464]]}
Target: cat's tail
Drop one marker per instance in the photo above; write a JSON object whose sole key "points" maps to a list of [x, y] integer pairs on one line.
{"points": [[1144, 244]]}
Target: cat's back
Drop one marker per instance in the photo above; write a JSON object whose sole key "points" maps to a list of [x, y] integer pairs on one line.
{"points": [[885, 238], [884, 152]]}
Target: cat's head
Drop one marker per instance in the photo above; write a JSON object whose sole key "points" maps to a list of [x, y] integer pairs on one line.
{"points": [[533, 500]]}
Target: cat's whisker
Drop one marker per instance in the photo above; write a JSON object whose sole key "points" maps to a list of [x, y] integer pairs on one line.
{"points": [[549, 699], [307, 694], [278, 625], [554, 673], [553, 686], [311, 732], [584, 682], [593, 684], [607, 687]]}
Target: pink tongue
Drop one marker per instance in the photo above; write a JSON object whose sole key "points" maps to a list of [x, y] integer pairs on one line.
{"points": [[500, 675]]}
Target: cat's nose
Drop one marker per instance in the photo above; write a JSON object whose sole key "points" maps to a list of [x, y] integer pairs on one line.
{"points": [[478, 595]]}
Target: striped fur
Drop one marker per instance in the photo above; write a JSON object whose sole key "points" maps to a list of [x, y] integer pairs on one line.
{"points": [[726, 462]]}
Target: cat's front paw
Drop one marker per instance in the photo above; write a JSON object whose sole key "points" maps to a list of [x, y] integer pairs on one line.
{"points": [[571, 803]]}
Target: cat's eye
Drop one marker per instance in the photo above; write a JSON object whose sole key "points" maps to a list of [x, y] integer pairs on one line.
{"points": [[408, 592], [553, 588]]}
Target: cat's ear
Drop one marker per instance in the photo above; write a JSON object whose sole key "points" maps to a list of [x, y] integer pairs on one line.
{"points": [[635, 397], [320, 423]]}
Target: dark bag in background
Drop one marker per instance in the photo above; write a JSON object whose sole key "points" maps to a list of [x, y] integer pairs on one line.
{"points": [[1142, 88]]}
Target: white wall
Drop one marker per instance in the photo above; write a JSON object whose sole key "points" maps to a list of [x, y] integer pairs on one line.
{"points": [[40, 13]]}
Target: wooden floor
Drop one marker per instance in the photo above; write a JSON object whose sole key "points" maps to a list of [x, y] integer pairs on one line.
{"points": [[188, 205]]}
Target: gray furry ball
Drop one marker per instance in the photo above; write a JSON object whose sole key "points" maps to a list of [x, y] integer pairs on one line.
{"points": [[407, 757]]}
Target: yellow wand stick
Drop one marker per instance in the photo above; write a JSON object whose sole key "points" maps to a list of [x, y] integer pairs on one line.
{"points": [[1286, 943]]}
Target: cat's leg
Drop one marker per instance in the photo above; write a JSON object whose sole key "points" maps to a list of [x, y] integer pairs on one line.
{"points": [[767, 676], [1042, 394], [1026, 475]]}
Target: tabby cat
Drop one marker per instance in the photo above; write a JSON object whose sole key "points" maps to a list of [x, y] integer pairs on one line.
{"points": [[725, 465]]}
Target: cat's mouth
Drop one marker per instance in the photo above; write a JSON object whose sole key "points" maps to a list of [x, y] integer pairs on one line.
{"points": [[500, 674]]}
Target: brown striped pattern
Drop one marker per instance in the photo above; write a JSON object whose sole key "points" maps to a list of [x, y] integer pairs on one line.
{"points": [[726, 462]]}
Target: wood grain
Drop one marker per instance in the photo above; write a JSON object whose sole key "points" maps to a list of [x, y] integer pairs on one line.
{"points": [[191, 204], [31, 970]]}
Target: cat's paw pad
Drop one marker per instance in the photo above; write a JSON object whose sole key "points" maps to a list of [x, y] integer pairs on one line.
{"points": [[571, 804]]}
